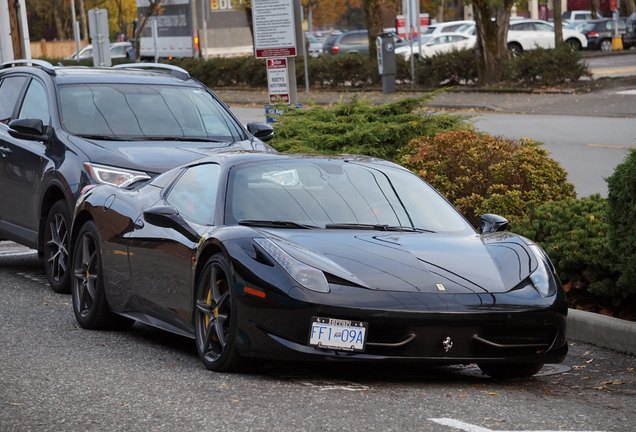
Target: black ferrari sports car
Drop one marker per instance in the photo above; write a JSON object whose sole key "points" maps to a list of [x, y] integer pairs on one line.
{"points": [[309, 258]]}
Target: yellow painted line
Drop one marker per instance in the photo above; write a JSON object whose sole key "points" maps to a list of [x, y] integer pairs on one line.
{"points": [[610, 146], [614, 70]]}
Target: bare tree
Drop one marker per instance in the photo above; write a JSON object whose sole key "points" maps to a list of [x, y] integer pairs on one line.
{"points": [[373, 17], [492, 18], [558, 24], [153, 8]]}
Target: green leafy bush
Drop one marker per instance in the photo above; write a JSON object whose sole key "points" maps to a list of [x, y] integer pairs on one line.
{"points": [[358, 127], [622, 220], [480, 173], [574, 233], [548, 66]]}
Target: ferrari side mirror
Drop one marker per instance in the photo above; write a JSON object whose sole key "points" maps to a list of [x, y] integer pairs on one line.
{"points": [[490, 223]]}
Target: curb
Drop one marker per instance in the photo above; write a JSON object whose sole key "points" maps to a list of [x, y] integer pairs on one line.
{"points": [[603, 331]]}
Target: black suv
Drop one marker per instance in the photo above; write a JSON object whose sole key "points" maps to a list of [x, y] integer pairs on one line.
{"points": [[64, 128]]}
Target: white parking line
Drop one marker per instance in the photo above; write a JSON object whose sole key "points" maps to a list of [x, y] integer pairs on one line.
{"points": [[456, 424]]}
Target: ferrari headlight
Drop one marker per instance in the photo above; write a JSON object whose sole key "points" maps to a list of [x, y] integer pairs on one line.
{"points": [[542, 278], [114, 176], [307, 276]]}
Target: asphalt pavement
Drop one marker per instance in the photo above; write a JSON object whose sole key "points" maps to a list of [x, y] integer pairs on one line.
{"points": [[611, 98]]}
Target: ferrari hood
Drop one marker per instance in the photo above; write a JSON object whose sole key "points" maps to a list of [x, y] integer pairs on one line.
{"points": [[419, 262]]}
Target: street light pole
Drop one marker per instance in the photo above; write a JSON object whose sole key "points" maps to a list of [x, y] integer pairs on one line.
{"points": [[75, 28]]}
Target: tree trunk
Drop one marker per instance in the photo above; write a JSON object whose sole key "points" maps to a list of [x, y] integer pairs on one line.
{"points": [[630, 7], [83, 20], [152, 9], [491, 47], [440, 11], [57, 19], [595, 7], [558, 23], [373, 17]]}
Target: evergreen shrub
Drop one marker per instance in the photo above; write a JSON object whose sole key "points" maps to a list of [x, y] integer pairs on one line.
{"points": [[574, 233], [359, 127], [480, 173], [622, 221]]}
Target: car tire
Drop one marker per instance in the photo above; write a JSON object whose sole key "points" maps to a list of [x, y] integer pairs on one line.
{"points": [[510, 370], [574, 43], [57, 234], [87, 285], [215, 316], [515, 49], [605, 45]]}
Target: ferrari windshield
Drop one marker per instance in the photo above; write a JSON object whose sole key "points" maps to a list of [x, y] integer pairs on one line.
{"points": [[145, 112], [336, 194]]}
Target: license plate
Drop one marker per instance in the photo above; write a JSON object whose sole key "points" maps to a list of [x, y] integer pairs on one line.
{"points": [[338, 334]]}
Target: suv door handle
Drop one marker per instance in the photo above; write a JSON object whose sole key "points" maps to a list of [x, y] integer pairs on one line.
{"points": [[5, 151]]}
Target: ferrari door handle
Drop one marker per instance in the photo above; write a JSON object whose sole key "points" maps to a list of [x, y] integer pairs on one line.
{"points": [[5, 151]]}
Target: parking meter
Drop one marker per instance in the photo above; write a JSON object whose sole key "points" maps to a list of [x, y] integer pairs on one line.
{"points": [[385, 47]]}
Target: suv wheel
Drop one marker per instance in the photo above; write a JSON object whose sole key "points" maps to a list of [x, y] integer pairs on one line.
{"points": [[605, 45], [57, 235]]}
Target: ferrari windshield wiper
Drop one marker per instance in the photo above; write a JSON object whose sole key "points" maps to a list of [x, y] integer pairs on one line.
{"points": [[102, 137], [274, 224], [376, 227]]}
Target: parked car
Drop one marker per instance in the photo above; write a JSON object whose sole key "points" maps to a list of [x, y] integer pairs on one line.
{"points": [[351, 42], [118, 50], [529, 34], [64, 128], [446, 27], [429, 45], [599, 33], [580, 16], [629, 38], [314, 45], [314, 258]]}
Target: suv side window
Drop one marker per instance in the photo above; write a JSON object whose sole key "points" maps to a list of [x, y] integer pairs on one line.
{"points": [[10, 89], [35, 105], [194, 193]]}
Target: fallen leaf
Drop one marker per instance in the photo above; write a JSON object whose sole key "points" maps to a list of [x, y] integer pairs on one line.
{"points": [[589, 361], [491, 393]]}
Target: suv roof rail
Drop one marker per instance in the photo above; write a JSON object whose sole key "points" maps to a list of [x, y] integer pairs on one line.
{"points": [[44, 65], [174, 70]]}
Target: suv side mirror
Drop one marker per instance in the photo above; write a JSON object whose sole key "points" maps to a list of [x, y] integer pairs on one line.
{"points": [[490, 223], [262, 131], [30, 129]]}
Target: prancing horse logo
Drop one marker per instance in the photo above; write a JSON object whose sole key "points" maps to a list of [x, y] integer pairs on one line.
{"points": [[447, 344]]}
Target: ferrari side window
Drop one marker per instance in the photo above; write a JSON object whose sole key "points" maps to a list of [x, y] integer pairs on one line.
{"points": [[194, 193]]}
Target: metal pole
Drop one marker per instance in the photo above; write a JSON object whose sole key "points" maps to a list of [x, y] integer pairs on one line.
{"points": [[409, 37], [305, 57], [154, 39], [75, 28], [204, 20], [298, 29]]}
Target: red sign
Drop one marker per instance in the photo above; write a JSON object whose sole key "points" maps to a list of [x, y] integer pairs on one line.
{"points": [[277, 80]]}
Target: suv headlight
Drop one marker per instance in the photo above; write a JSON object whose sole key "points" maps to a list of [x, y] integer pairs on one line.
{"points": [[542, 278], [307, 276], [114, 176]]}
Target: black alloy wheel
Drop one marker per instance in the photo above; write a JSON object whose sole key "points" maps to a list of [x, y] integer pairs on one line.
{"points": [[215, 316], [510, 370], [87, 285], [56, 247]]}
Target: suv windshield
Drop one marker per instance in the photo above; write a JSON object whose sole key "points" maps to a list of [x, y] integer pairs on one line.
{"points": [[145, 112]]}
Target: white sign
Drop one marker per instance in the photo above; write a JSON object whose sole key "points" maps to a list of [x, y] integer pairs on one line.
{"points": [[274, 28], [277, 80]]}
